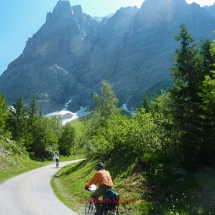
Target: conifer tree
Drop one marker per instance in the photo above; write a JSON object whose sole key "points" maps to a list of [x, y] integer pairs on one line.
{"points": [[207, 94], [146, 104], [185, 106], [17, 119], [32, 111]]}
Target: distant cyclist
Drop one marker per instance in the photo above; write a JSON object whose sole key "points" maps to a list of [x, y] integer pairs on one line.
{"points": [[57, 159], [104, 181]]}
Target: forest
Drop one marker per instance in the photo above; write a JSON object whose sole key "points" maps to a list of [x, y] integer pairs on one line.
{"points": [[40, 136]]}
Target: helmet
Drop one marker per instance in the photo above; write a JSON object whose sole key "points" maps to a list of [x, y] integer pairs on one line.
{"points": [[99, 166]]}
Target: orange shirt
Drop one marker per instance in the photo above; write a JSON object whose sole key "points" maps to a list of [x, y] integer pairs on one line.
{"points": [[101, 177]]}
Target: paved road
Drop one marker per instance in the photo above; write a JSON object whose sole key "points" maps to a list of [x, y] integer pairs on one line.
{"points": [[32, 194]]}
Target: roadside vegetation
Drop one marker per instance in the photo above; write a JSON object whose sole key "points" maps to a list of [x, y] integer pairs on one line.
{"points": [[14, 160], [163, 154], [140, 192]]}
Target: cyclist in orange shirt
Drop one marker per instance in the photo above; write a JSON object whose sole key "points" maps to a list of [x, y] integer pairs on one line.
{"points": [[103, 179]]}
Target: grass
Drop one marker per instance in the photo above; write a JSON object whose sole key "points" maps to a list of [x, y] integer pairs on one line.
{"points": [[140, 192], [71, 157], [14, 171], [14, 160], [69, 184], [78, 125]]}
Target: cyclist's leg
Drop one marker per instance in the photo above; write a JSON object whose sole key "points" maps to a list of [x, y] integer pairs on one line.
{"points": [[99, 192]]}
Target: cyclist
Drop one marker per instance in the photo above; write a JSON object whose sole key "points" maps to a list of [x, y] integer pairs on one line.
{"points": [[103, 179], [57, 159]]}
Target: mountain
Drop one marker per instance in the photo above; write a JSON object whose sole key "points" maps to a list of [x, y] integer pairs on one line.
{"points": [[70, 55], [211, 10]]}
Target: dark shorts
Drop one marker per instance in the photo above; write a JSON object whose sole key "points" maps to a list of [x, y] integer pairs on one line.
{"points": [[100, 191]]}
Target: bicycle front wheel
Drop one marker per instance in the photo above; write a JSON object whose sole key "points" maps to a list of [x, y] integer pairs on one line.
{"points": [[89, 208]]}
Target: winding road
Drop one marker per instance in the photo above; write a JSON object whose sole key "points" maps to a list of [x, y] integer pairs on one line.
{"points": [[31, 194]]}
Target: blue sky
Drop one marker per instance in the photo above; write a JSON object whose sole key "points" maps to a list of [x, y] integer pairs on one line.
{"points": [[19, 20]]}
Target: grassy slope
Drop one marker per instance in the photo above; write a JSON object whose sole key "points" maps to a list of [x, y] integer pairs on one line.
{"points": [[140, 194], [14, 160], [69, 184], [77, 124]]}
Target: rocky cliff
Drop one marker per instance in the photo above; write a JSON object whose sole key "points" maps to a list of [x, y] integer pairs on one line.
{"points": [[72, 53]]}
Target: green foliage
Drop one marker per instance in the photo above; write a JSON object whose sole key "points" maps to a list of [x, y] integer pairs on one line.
{"points": [[191, 64], [57, 125], [14, 159], [146, 104], [67, 139], [32, 112], [44, 138], [16, 121], [106, 104], [3, 112], [95, 136], [144, 137]]}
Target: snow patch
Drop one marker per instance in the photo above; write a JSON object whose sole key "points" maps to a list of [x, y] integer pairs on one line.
{"points": [[124, 106], [68, 116]]}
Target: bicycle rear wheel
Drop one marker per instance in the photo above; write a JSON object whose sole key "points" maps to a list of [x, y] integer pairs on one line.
{"points": [[89, 208], [111, 212]]}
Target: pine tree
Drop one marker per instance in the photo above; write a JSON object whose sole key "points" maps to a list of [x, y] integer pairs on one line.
{"points": [[32, 112], [17, 119], [207, 93], [146, 104], [185, 106]]}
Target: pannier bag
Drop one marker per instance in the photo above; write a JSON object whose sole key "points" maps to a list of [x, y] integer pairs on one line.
{"points": [[111, 199]]}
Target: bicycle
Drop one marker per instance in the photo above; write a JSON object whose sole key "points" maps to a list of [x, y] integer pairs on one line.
{"points": [[105, 209]]}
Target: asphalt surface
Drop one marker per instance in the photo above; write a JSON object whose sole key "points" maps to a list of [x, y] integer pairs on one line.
{"points": [[31, 194]]}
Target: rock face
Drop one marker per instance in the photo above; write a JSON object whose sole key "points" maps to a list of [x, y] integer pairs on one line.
{"points": [[72, 53], [211, 10]]}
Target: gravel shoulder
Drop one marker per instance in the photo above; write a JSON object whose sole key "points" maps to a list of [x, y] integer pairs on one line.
{"points": [[31, 194]]}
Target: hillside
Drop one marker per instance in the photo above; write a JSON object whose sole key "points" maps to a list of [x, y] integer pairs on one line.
{"points": [[14, 159]]}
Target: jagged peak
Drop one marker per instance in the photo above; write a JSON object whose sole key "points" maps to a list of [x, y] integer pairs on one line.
{"points": [[63, 1], [77, 10], [128, 9], [161, 2], [61, 6], [163, 6]]}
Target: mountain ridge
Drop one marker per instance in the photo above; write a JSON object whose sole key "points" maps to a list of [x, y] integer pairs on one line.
{"points": [[72, 53]]}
